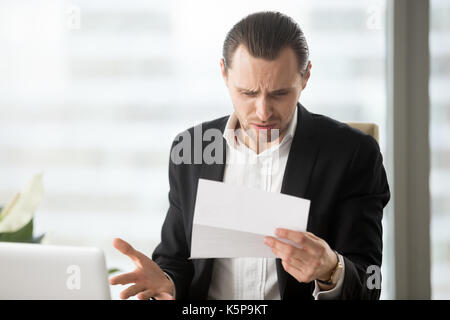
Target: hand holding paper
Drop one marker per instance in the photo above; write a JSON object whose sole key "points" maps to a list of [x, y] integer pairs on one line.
{"points": [[231, 221]]}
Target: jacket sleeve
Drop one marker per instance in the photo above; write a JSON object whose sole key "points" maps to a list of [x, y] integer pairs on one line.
{"points": [[359, 211], [172, 253]]}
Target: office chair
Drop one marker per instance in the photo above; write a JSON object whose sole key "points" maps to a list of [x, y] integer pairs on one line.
{"points": [[366, 127]]}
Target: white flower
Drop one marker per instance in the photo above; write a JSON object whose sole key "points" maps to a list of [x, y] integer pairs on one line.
{"points": [[21, 209]]}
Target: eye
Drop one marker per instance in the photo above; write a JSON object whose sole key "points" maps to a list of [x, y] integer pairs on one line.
{"points": [[250, 94]]}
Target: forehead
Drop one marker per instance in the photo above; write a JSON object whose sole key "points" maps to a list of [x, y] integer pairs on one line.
{"points": [[247, 70]]}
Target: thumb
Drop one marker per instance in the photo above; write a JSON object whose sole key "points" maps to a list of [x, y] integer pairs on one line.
{"points": [[122, 246], [128, 250]]}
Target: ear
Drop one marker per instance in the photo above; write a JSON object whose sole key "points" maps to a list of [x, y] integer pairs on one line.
{"points": [[306, 74], [224, 71]]}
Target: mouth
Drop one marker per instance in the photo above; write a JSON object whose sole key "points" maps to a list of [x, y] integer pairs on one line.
{"points": [[258, 126]]}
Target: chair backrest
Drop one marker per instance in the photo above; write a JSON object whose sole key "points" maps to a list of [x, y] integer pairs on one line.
{"points": [[366, 127]]}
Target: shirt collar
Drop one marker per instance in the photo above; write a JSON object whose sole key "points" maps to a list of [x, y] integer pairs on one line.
{"points": [[232, 122]]}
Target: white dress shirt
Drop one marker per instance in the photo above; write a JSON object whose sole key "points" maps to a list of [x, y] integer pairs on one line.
{"points": [[255, 278]]}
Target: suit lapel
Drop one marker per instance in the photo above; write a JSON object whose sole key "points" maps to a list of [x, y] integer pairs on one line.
{"points": [[299, 166], [302, 156], [214, 172]]}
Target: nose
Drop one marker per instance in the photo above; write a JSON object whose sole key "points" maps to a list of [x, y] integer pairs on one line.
{"points": [[263, 109]]}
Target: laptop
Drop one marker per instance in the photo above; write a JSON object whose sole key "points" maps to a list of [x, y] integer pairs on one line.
{"points": [[43, 272]]}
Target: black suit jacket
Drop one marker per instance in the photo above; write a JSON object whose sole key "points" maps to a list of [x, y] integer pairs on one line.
{"points": [[340, 169]]}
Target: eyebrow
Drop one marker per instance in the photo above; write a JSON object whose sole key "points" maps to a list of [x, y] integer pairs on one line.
{"points": [[272, 92]]}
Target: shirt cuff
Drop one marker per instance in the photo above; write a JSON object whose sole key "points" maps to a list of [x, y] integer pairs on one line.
{"points": [[336, 291], [174, 288]]}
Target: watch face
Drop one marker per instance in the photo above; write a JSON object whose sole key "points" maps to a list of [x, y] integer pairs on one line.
{"points": [[336, 274]]}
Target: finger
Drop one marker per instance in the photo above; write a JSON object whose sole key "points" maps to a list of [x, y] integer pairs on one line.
{"points": [[164, 296], [285, 248], [124, 247], [128, 250], [301, 238], [124, 278], [312, 235], [131, 291], [296, 263], [307, 240], [147, 294]]}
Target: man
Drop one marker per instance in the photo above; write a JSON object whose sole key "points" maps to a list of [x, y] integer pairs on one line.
{"points": [[265, 67]]}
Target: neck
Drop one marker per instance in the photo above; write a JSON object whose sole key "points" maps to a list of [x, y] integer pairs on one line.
{"points": [[258, 143]]}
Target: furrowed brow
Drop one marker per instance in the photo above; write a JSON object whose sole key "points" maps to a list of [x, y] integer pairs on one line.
{"points": [[246, 90], [274, 92], [282, 90]]}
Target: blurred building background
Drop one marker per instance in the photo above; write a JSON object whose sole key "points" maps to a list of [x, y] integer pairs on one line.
{"points": [[440, 147], [93, 93]]}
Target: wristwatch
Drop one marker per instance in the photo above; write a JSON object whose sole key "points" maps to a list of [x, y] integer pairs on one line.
{"points": [[332, 281]]}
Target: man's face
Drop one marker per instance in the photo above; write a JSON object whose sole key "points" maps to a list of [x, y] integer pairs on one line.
{"points": [[264, 93]]}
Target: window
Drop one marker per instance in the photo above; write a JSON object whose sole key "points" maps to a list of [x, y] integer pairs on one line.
{"points": [[440, 148]]}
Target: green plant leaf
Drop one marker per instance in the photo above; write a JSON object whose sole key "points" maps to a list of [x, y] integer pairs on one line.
{"points": [[113, 270], [24, 234]]}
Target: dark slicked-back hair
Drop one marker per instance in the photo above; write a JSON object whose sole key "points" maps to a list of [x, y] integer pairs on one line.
{"points": [[265, 34]]}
